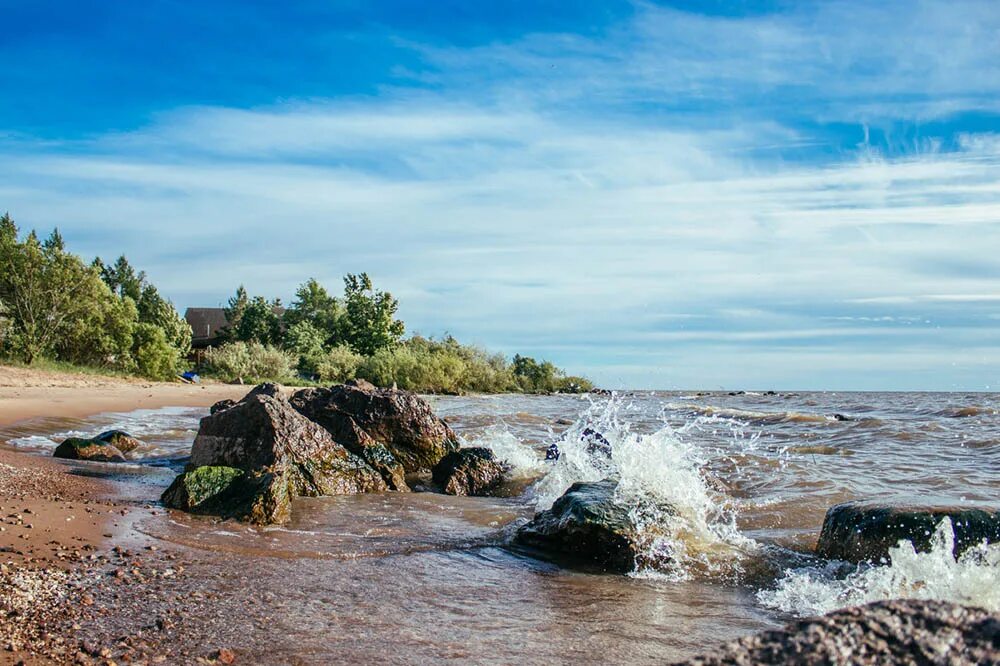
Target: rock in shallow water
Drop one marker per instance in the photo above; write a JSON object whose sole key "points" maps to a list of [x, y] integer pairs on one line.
{"points": [[588, 524], [281, 455], [865, 531], [471, 471], [77, 448], [885, 632], [362, 417], [119, 439]]}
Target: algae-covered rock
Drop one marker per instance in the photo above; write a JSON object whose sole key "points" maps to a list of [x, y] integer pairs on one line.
{"points": [[903, 631], [401, 421], [587, 524], [470, 471], [119, 439], [865, 531], [78, 448], [261, 498], [282, 455]]}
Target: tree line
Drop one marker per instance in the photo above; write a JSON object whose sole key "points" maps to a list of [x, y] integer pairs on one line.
{"points": [[327, 338], [55, 306]]}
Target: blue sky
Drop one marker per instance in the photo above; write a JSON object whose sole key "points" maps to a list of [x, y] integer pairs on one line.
{"points": [[659, 195]]}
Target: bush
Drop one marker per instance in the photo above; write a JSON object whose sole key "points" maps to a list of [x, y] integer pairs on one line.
{"points": [[154, 356], [338, 365], [249, 362]]}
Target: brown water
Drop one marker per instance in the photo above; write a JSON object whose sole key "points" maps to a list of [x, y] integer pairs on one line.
{"points": [[420, 577]]}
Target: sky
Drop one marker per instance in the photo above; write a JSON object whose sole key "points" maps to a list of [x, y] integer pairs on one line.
{"points": [[676, 195]]}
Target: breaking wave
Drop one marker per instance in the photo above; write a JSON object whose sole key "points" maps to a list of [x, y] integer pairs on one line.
{"points": [[655, 471], [973, 579]]}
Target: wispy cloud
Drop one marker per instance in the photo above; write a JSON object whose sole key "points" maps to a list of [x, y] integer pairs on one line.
{"points": [[673, 185]]}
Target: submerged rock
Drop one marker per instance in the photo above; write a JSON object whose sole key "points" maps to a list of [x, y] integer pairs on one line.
{"points": [[886, 632], [587, 524], [119, 439], [865, 531], [471, 471], [282, 455], [360, 416], [78, 448]]}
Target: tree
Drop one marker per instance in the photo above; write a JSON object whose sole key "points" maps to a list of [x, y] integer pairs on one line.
{"points": [[155, 357], [313, 304], [121, 278], [259, 322], [534, 376], [159, 311], [43, 288], [307, 343], [369, 316], [234, 314]]}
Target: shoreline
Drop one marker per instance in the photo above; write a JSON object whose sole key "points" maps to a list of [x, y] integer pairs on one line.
{"points": [[67, 537]]}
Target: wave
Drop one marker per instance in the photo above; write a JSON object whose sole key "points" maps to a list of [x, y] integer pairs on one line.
{"points": [[755, 417], [972, 579], [654, 470], [525, 462], [966, 412]]}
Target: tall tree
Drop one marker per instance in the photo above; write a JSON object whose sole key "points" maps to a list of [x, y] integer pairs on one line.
{"points": [[260, 322], [314, 305], [122, 278], [234, 310], [370, 322], [42, 287]]}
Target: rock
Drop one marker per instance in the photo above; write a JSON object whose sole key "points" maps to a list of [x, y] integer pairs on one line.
{"points": [[471, 471], [905, 631], [865, 531], [587, 524], [281, 455], [359, 415], [596, 444], [77, 448], [222, 405], [119, 439]]}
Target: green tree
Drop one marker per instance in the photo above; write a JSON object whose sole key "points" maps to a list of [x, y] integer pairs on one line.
{"points": [[155, 356], [370, 322], [43, 288], [260, 322], [234, 314], [159, 311], [306, 342], [122, 278], [314, 304]]}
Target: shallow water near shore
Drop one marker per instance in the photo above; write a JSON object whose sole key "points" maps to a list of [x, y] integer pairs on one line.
{"points": [[419, 576]]}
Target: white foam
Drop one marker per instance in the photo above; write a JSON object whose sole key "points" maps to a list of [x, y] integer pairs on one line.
{"points": [[524, 460], [654, 470], [973, 579]]}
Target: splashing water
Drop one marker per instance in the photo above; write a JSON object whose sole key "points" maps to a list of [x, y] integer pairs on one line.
{"points": [[525, 463], [656, 472], [973, 579]]}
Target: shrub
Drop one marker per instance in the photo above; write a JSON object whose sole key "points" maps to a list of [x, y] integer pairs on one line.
{"points": [[249, 362], [339, 364], [154, 356]]}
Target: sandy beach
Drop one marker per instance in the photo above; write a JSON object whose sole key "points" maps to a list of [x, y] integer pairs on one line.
{"points": [[62, 532]]}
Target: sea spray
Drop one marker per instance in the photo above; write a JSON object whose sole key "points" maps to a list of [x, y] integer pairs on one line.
{"points": [[973, 579], [525, 462], [655, 471]]}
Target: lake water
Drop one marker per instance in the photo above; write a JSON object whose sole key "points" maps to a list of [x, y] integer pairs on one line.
{"points": [[419, 577]]}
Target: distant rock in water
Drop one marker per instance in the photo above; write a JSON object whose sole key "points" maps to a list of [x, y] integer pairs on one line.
{"points": [[904, 631], [119, 439], [394, 430], [250, 460], [865, 531], [93, 450], [587, 525], [596, 444], [471, 471]]}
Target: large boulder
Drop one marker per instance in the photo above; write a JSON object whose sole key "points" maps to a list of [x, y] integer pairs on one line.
{"points": [[78, 448], [119, 439], [905, 631], [362, 417], [588, 524], [865, 531], [471, 471], [281, 454]]}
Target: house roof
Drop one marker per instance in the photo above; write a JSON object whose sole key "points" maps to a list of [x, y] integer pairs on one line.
{"points": [[205, 322]]}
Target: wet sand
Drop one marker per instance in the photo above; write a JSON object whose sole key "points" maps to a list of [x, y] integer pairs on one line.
{"points": [[68, 550]]}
